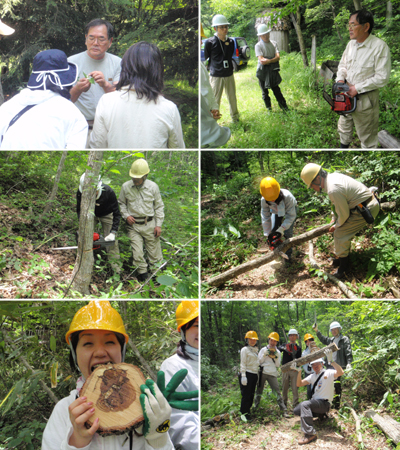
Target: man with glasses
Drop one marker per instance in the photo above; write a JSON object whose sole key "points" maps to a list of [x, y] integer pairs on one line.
{"points": [[365, 66], [98, 70], [219, 50]]}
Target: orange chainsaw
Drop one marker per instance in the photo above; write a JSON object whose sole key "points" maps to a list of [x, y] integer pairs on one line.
{"points": [[98, 243], [340, 102]]}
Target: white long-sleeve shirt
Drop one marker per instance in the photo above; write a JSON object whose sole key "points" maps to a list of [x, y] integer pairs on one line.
{"points": [[59, 430], [345, 193], [185, 425], [269, 365], [124, 121], [286, 208], [248, 360], [53, 123], [366, 65]]}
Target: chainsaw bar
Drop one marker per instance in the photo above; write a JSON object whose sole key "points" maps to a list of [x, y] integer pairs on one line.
{"points": [[96, 245]]}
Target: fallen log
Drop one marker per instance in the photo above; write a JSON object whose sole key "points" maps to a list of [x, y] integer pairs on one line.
{"points": [[347, 292], [388, 425], [388, 206], [387, 140], [114, 390], [254, 263], [311, 357]]}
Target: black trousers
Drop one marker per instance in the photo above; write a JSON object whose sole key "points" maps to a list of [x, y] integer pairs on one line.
{"points": [[247, 392], [278, 95], [338, 393]]}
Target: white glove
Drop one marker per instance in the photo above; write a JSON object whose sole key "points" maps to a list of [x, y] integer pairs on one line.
{"points": [[110, 237], [157, 414], [348, 367], [282, 231], [293, 366], [329, 355], [244, 381]]}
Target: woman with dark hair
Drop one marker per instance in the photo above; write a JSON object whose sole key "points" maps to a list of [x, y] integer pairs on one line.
{"points": [[42, 115], [248, 372], [137, 115], [97, 336], [185, 424]]}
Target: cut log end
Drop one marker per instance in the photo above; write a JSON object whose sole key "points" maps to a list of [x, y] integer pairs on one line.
{"points": [[114, 390]]}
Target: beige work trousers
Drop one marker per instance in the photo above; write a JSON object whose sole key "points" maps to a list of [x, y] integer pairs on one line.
{"points": [[366, 120], [289, 378], [218, 84], [143, 235], [112, 251], [356, 222]]}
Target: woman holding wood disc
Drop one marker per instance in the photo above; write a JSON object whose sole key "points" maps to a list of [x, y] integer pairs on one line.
{"points": [[96, 338], [185, 424], [248, 372]]}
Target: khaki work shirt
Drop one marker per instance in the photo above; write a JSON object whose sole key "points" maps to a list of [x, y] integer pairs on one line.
{"points": [[141, 201], [345, 193], [365, 65]]}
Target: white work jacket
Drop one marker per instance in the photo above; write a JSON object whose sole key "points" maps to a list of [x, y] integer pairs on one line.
{"points": [[248, 360], [185, 425], [270, 366], [286, 208], [59, 430]]}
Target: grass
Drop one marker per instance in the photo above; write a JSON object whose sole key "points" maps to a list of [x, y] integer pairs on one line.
{"points": [[309, 123]]}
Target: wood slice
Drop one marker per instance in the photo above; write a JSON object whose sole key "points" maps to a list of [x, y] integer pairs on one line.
{"points": [[114, 390]]}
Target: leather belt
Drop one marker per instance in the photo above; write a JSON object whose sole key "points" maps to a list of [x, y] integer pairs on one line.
{"points": [[365, 202], [144, 220]]}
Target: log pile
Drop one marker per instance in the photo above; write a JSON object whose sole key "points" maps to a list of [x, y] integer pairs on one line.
{"points": [[114, 390], [309, 358]]}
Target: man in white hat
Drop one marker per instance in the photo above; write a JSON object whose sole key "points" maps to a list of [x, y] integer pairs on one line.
{"points": [[5, 30], [219, 51], [321, 394], [42, 116], [143, 209], [267, 73]]}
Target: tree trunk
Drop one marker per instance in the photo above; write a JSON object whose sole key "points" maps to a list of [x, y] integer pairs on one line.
{"points": [[300, 37], [388, 425], [357, 5], [55, 186], [309, 358], [389, 14], [83, 269], [260, 160], [254, 263]]}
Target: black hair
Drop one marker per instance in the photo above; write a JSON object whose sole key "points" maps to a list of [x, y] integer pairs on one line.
{"points": [[98, 22], [74, 338], [142, 69], [279, 199], [181, 345], [363, 17]]}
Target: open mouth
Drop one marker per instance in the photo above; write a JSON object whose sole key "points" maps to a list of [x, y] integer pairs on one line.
{"points": [[92, 369]]}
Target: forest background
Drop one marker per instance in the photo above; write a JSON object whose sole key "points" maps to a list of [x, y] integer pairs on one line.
{"points": [[38, 213], [34, 355], [232, 232], [372, 383], [310, 122], [171, 25]]}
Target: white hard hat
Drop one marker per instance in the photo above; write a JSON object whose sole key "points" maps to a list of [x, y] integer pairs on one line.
{"points": [[334, 325], [293, 331], [98, 189], [320, 360], [263, 29], [5, 30], [218, 20]]}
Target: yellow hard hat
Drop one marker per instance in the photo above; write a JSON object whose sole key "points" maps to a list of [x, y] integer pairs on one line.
{"points": [[202, 34], [308, 336], [97, 315], [139, 168], [309, 172], [269, 189], [251, 335], [274, 335], [186, 311]]}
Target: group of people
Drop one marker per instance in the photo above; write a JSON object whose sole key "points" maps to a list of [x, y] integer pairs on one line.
{"points": [[324, 388], [93, 99], [97, 335], [141, 206], [354, 204], [365, 66]]}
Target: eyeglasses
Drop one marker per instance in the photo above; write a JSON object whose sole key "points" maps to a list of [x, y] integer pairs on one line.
{"points": [[100, 40], [351, 26]]}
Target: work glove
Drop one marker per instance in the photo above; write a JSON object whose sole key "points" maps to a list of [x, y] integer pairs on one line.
{"points": [[348, 367], [244, 381], [315, 327], [177, 399], [293, 366], [110, 237], [329, 355], [157, 414]]}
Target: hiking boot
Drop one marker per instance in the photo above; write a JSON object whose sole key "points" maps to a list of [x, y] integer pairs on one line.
{"points": [[307, 438], [344, 145], [336, 262], [343, 267], [286, 414], [143, 276]]}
